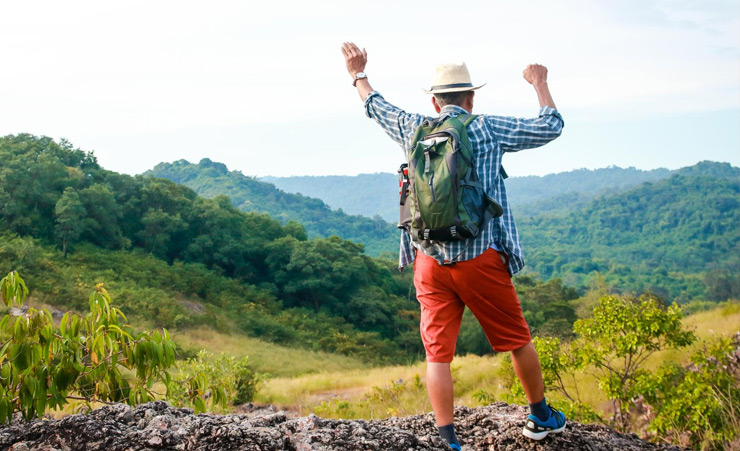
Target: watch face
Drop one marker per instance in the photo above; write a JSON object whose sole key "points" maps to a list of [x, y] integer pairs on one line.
{"points": [[360, 75]]}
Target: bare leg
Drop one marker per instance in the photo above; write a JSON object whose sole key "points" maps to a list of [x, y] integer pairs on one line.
{"points": [[527, 368], [441, 393]]}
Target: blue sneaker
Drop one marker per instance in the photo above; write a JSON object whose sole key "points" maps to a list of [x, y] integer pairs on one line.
{"points": [[455, 446], [537, 429]]}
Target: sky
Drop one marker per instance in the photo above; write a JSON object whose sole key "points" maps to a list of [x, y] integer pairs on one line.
{"points": [[262, 86]]}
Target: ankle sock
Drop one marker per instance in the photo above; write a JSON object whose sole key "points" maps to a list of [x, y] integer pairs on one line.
{"points": [[540, 409], [448, 433]]}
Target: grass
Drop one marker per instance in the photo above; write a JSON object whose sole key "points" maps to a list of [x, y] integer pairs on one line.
{"points": [[267, 358], [378, 392], [305, 392], [343, 387], [391, 391]]}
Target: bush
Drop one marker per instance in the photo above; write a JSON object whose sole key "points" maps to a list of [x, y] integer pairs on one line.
{"points": [[92, 358], [230, 377], [700, 401]]}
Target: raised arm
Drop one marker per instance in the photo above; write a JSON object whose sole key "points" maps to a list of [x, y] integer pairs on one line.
{"points": [[356, 59], [398, 124], [518, 133], [536, 75]]}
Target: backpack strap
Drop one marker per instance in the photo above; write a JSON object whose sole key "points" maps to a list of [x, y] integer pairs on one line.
{"points": [[468, 120]]}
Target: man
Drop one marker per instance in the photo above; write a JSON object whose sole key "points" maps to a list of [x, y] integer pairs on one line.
{"points": [[474, 272]]}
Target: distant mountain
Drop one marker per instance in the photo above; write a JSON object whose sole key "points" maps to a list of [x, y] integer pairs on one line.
{"points": [[564, 192], [556, 193], [210, 179], [377, 194], [365, 194]]}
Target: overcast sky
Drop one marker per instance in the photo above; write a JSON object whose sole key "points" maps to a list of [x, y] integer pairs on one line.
{"points": [[261, 86]]}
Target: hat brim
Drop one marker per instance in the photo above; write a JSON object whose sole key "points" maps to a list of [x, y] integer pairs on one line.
{"points": [[455, 89]]}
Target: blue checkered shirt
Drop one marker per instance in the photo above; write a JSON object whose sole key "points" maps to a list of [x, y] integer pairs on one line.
{"points": [[490, 136]]}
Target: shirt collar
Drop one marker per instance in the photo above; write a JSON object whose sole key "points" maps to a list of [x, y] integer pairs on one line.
{"points": [[448, 110]]}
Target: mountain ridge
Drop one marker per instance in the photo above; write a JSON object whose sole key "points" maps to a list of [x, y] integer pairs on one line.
{"points": [[376, 194]]}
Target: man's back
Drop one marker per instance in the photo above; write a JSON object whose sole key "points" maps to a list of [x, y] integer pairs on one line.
{"points": [[490, 136]]}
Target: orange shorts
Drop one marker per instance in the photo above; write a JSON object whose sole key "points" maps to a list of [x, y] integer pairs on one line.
{"points": [[483, 285]]}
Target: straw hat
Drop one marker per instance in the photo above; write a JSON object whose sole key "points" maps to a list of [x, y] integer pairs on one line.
{"points": [[452, 78]]}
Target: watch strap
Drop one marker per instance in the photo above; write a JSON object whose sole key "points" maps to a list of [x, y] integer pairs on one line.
{"points": [[357, 78]]}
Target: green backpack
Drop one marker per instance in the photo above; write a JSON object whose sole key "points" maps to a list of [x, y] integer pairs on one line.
{"points": [[441, 196]]}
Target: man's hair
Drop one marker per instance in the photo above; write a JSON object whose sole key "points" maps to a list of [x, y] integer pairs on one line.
{"points": [[452, 98]]}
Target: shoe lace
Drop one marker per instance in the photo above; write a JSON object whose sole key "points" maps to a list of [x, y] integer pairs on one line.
{"points": [[559, 419]]}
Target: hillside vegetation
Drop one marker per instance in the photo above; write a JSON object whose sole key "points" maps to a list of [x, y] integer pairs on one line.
{"points": [[678, 237], [672, 233], [173, 259], [210, 179], [67, 224]]}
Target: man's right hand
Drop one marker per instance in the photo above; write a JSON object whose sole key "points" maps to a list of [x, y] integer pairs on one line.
{"points": [[354, 58]]}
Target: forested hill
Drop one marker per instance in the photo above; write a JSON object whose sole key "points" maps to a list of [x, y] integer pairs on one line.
{"points": [[211, 179], [376, 194], [567, 191], [676, 236], [178, 260], [679, 237]]}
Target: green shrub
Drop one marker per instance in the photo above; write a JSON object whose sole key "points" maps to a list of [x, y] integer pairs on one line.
{"points": [[700, 401], [230, 377], [92, 358]]}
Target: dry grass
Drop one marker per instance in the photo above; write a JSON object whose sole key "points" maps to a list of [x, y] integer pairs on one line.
{"points": [[354, 393], [267, 358], [305, 392]]}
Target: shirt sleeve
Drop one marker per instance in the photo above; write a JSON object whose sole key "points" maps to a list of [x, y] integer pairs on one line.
{"points": [[517, 134], [398, 124]]}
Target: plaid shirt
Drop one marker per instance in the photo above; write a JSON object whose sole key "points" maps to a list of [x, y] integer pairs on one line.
{"points": [[490, 137]]}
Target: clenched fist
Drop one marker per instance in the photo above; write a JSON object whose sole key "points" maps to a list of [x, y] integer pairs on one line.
{"points": [[535, 73]]}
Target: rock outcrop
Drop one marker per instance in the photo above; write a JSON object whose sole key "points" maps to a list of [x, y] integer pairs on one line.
{"points": [[158, 426]]}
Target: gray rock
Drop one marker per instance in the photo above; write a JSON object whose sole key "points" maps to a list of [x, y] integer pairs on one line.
{"points": [[159, 426]]}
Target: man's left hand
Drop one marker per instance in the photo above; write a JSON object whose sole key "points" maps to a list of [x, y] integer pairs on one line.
{"points": [[535, 73], [354, 58]]}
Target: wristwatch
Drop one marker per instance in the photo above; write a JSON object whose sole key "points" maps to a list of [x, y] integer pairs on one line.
{"points": [[358, 76]]}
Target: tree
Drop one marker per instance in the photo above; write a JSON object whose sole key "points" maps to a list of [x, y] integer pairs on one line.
{"points": [[323, 271], [620, 337], [103, 215], [159, 226], [615, 343], [70, 215]]}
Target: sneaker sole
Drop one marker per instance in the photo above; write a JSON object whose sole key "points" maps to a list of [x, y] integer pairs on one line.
{"points": [[540, 435]]}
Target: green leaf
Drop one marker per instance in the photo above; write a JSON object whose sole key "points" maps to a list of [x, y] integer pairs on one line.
{"points": [[200, 407], [5, 412]]}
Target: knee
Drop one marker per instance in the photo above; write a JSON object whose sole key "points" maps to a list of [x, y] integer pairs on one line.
{"points": [[527, 348]]}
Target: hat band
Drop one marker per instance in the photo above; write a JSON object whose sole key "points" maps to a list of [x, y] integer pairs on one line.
{"points": [[454, 85]]}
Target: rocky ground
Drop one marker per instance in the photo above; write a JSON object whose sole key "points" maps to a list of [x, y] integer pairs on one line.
{"points": [[158, 426]]}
